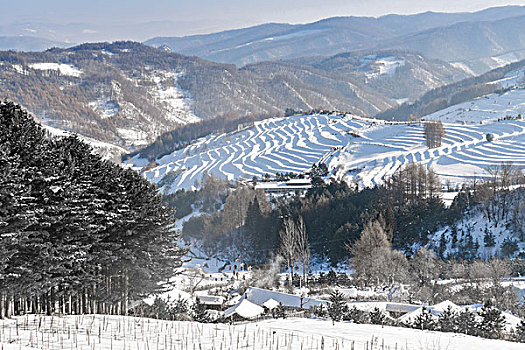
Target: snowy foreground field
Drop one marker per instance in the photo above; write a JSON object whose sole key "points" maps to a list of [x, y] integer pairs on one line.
{"points": [[116, 332]]}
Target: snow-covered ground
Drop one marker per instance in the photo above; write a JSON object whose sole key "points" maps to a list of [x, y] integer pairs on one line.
{"points": [[472, 228], [64, 69], [382, 66], [361, 150], [174, 100], [293, 144], [484, 109], [275, 145], [118, 332], [106, 150]]}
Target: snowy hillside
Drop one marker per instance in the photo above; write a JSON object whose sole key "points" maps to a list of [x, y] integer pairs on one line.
{"points": [[358, 150], [465, 153], [117, 332], [290, 144]]}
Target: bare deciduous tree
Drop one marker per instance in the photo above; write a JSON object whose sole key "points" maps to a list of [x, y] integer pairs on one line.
{"points": [[294, 244], [303, 247], [434, 133], [370, 254], [288, 236]]}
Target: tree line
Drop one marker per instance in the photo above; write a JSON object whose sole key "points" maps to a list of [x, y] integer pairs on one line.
{"points": [[78, 234]]}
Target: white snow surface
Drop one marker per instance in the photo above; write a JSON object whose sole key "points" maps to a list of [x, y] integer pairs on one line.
{"points": [[383, 65], [105, 108], [274, 145], [104, 149], [64, 69], [475, 225], [359, 150], [176, 101], [118, 332], [245, 309]]}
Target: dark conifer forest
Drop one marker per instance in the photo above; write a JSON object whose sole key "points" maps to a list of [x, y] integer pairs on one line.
{"points": [[78, 234]]}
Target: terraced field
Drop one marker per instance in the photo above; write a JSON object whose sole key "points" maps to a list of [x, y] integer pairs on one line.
{"points": [[290, 144], [365, 151], [465, 153]]}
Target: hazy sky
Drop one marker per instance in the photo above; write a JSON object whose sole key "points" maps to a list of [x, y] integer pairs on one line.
{"points": [[211, 15]]}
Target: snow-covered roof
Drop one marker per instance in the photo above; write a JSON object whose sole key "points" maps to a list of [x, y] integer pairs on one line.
{"points": [[233, 300], [444, 305], [411, 316], [383, 306], [171, 295], [260, 296], [245, 309], [211, 299], [298, 182], [271, 304]]}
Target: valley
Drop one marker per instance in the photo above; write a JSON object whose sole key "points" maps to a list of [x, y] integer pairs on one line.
{"points": [[352, 181]]}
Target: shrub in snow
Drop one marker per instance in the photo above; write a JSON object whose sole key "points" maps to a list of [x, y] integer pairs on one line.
{"points": [[489, 137], [319, 311], [279, 311], [357, 316]]}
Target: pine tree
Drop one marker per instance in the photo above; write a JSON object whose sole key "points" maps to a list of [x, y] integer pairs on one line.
{"points": [[519, 334], [425, 320], [199, 313], [447, 321], [75, 227], [465, 322], [488, 238], [337, 307], [255, 229], [377, 316], [492, 323]]}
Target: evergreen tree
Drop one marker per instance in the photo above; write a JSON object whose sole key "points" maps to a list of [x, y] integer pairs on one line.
{"points": [[337, 307], [377, 316], [465, 322], [492, 323], [255, 229], [519, 334], [447, 321], [199, 313], [74, 227], [425, 320], [488, 238]]}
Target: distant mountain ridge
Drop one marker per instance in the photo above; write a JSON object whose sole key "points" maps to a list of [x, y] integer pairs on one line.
{"points": [[127, 93], [420, 33], [28, 43]]}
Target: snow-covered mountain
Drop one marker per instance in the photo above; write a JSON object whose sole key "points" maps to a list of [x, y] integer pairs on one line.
{"points": [[99, 92], [127, 93]]}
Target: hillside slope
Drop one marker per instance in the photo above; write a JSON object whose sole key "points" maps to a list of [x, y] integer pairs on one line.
{"points": [[127, 94], [356, 149], [494, 81]]}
